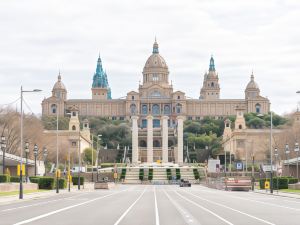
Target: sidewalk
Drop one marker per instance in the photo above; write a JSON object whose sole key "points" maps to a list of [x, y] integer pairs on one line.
{"points": [[44, 194], [279, 193]]}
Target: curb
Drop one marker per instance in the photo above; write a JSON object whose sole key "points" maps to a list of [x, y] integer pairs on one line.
{"points": [[278, 195]]}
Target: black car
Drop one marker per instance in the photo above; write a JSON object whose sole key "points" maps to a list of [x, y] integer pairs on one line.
{"points": [[184, 183]]}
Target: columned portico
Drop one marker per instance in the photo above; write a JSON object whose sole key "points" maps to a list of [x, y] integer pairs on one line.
{"points": [[135, 133], [180, 139], [149, 139], [165, 139]]}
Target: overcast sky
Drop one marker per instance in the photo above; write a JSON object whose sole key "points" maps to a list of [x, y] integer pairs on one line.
{"points": [[37, 38]]}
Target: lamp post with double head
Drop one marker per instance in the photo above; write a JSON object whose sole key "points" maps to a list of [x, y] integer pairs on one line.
{"points": [[45, 154], [297, 151], [3, 149], [287, 152], [26, 156], [21, 142], [35, 153]]}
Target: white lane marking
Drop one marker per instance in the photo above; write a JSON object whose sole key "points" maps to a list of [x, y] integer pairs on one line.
{"points": [[156, 208], [205, 209], [64, 209], [189, 219], [40, 203], [130, 207], [266, 203], [227, 207]]}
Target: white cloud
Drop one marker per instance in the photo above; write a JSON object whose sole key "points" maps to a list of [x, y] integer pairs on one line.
{"points": [[40, 37]]}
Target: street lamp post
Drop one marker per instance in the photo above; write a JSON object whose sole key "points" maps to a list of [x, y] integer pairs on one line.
{"points": [[92, 158], [21, 142], [271, 157], [45, 154], [98, 150], [35, 152], [287, 152], [26, 156], [3, 149], [253, 179], [276, 157], [297, 150], [56, 172]]}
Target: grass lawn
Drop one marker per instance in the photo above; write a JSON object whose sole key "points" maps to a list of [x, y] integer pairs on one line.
{"points": [[291, 191], [11, 193]]}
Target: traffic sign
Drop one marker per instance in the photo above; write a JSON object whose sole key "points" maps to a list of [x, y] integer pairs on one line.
{"points": [[239, 166], [267, 184]]}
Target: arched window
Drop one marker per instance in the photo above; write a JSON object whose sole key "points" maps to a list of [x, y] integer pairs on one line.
{"points": [[143, 143], [156, 143], [240, 127], [133, 109], [178, 108], [144, 109], [53, 108], [166, 109], [257, 108], [212, 84], [170, 143], [73, 127], [156, 123], [73, 113], [155, 109], [227, 124]]}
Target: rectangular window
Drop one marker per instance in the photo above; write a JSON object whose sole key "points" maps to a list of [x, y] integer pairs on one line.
{"points": [[73, 143], [190, 118], [121, 117]]}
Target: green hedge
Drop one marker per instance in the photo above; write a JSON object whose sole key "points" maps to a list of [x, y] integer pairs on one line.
{"points": [[196, 174], [62, 183], [178, 176], [169, 174], [282, 182], [75, 180], [293, 180], [15, 179], [4, 178], [46, 183], [34, 179], [150, 174], [141, 174], [123, 173]]}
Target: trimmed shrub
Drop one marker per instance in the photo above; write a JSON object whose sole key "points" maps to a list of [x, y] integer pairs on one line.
{"points": [[4, 178], [62, 183], [178, 176], [123, 173], [15, 179], [282, 182], [46, 183], [196, 174], [34, 179], [75, 180], [141, 174], [292, 180], [169, 174], [150, 174]]}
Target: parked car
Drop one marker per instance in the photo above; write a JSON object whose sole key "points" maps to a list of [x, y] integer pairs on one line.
{"points": [[184, 183], [76, 169]]}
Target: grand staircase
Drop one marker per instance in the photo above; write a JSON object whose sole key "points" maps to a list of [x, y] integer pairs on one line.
{"points": [[160, 176], [132, 176]]}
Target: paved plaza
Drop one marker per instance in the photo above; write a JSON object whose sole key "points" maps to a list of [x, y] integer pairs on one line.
{"points": [[153, 205]]}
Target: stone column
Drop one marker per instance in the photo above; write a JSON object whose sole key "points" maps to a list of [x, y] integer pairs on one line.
{"points": [[179, 139], [135, 137], [149, 139], [165, 134]]}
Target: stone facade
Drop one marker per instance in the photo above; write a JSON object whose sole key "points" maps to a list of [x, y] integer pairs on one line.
{"points": [[156, 110]]}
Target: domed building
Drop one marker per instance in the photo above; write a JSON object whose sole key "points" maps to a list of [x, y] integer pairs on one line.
{"points": [[156, 110]]}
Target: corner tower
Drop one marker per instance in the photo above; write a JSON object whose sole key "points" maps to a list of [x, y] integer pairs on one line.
{"points": [[211, 87], [100, 87]]}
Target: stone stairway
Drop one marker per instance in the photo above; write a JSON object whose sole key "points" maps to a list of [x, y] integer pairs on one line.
{"points": [[132, 176], [187, 174], [160, 176]]}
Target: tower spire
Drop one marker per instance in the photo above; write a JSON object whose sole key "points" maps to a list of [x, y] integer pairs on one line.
{"points": [[155, 47], [212, 64]]}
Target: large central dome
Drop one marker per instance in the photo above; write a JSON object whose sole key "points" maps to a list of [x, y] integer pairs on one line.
{"points": [[155, 69], [155, 63]]}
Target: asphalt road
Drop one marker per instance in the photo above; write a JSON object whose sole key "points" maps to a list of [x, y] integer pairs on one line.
{"points": [[154, 205]]}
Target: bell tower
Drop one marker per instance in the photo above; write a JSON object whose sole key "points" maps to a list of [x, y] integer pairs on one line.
{"points": [[211, 87]]}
